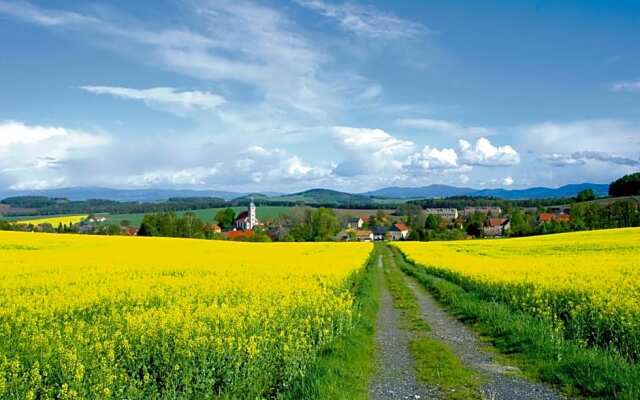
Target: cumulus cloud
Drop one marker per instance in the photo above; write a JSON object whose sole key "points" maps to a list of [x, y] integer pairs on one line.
{"points": [[430, 159], [443, 126], [625, 86], [366, 21], [165, 96], [483, 153], [369, 150], [33, 155], [508, 181]]}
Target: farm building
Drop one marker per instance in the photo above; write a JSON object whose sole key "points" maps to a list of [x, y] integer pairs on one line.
{"points": [[493, 211], [496, 227], [364, 236], [399, 232], [548, 217], [379, 233], [446, 213], [355, 223]]}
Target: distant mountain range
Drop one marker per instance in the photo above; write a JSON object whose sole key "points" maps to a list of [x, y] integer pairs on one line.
{"points": [[85, 193], [440, 191], [315, 196]]}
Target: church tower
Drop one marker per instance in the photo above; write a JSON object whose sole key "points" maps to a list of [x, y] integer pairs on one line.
{"points": [[253, 220]]}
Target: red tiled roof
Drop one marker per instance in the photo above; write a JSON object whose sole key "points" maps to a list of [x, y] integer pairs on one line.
{"points": [[233, 235], [545, 217], [548, 217], [401, 227], [496, 221]]}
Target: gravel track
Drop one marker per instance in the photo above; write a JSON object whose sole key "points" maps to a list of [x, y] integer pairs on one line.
{"points": [[396, 376], [502, 383]]}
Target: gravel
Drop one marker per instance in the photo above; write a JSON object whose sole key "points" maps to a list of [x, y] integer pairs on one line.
{"points": [[502, 381], [396, 376]]}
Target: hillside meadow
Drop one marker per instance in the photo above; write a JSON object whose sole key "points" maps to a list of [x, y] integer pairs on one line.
{"points": [[138, 318]]}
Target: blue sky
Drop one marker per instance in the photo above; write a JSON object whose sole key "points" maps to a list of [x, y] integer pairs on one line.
{"points": [[287, 95]]}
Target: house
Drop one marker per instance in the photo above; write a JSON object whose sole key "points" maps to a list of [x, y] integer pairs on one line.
{"points": [[560, 210], [46, 227], [247, 220], [95, 219], [493, 211], [239, 235], [379, 233], [399, 231], [446, 213], [355, 223], [215, 228], [496, 227], [21, 227], [128, 231], [548, 217], [364, 236]]}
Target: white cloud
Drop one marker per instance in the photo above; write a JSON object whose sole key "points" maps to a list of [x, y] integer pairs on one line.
{"points": [[261, 165], [579, 142], [508, 181], [430, 159], [582, 157], [372, 141], [483, 153], [464, 179], [365, 21], [231, 41], [28, 12], [368, 151], [35, 156], [165, 96], [628, 86], [447, 127]]}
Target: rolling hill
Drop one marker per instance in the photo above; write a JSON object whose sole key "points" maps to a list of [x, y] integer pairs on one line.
{"points": [[441, 191]]}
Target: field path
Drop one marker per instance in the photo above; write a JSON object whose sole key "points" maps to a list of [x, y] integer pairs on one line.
{"points": [[396, 377], [502, 383]]}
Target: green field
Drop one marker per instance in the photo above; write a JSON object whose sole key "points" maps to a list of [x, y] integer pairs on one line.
{"points": [[206, 214]]}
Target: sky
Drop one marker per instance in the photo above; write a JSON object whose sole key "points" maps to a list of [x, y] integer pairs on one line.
{"points": [[266, 95]]}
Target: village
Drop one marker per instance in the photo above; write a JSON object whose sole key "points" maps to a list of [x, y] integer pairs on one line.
{"points": [[359, 225]]}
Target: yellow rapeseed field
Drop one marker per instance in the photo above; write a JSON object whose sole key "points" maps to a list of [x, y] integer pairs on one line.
{"points": [[118, 317], [55, 221], [588, 283]]}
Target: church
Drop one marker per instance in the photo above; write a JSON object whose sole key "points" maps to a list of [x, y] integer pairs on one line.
{"points": [[247, 219]]}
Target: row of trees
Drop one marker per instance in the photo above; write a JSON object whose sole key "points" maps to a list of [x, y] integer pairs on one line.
{"points": [[584, 216]]}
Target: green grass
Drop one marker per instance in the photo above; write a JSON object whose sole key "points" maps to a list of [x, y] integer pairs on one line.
{"points": [[345, 367], [403, 297], [436, 364], [533, 344]]}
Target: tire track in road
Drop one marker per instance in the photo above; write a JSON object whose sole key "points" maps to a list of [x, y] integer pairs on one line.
{"points": [[396, 376]]}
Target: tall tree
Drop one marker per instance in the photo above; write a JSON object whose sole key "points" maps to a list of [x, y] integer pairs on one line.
{"points": [[628, 185], [225, 218]]}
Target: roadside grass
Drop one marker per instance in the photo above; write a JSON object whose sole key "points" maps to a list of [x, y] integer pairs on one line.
{"points": [[344, 368], [533, 344], [403, 298], [436, 364]]}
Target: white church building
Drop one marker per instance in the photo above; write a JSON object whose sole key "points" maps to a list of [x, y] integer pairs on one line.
{"points": [[247, 219]]}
